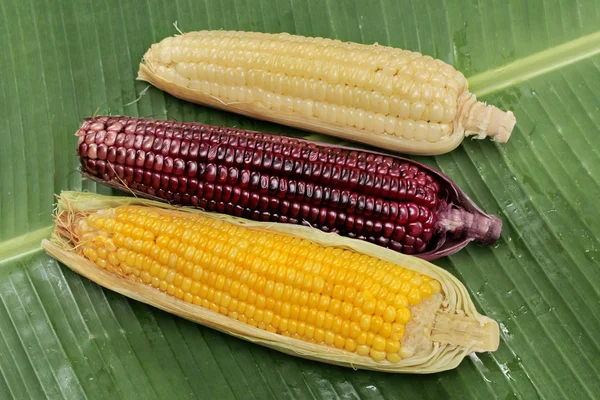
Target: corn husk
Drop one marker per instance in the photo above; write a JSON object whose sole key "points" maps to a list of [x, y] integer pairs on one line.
{"points": [[458, 330]]}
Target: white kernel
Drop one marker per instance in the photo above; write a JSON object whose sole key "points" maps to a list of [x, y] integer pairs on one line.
{"points": [[321, 90], [375, 101], [341, 115], [426, 93], [176, 55], [415, 93], [404, 110], [351, 117], [360, 119], [165, 55], [421, 130], [435, 133], [379, 123], [390, 125], [449, 114], [369, 121], [384, 106], [416, 110], [437, 112], [331, 113], [408, 130], [287, 104]]}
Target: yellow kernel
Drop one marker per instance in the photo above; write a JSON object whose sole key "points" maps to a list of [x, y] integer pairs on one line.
{"points": [[414, 296], [309, 332], [320, 321], [392, 346], [130, 260], [276, 321], [90, 253], [292, 326], [361, 338], [128, 243], [113, 259], [436, 286], [249, 312], [376, 288], [195, 289], [146, 277], [346, 310], [101, 263], [377, 355], [363, 350], [403, 316], [329, 321], [359, 300], [155, 282], [380, 308], [355, 330], [186, 283], [101, 252], [295, 312], [356, 315], [379, 343], [350, 345], [350, 295], [365, 322], [386, 330], [319, 335], [278, 291], [163, 256], [376, 323], [397, 332], [370, 338], [154, 268], [313, 300], [122, 254], [416, 280], [390, 314], [400, 301], [300, 329], [339, 341], [393, 357], [337, 324], [163, 286], [268, 317], [329, 338], [258, 315], [323, 303], [369, 306]]}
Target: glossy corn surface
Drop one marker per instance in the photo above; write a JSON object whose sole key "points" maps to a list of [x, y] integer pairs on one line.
{"points": [[370, 93], [276, 282]]}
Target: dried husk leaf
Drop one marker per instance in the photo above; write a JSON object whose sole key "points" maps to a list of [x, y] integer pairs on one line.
{"points": [[457, 307]]}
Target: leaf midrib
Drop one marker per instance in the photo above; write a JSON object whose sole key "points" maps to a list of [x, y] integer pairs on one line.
{"points": [[481, 84]]}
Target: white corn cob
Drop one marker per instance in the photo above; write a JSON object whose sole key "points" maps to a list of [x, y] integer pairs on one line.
{"points": [[378, 95]]}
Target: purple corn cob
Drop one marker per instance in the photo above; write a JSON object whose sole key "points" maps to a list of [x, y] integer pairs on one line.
{"points": [[390, 201]]}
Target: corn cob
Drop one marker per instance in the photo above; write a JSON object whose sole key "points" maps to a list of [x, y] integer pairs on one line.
{"points": [[293, 289], [382, 96], [390, 201]]}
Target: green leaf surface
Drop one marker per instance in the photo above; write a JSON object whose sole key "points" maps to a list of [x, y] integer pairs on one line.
{"points": [[62, 336]]}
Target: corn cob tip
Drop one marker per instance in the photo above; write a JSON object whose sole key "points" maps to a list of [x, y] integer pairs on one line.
{"points": [[460, 223], [480, 334], [485, 120]]}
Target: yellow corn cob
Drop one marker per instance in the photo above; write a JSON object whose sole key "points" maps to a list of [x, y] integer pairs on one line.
{"points": [[378, 95], [298, 293]]}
